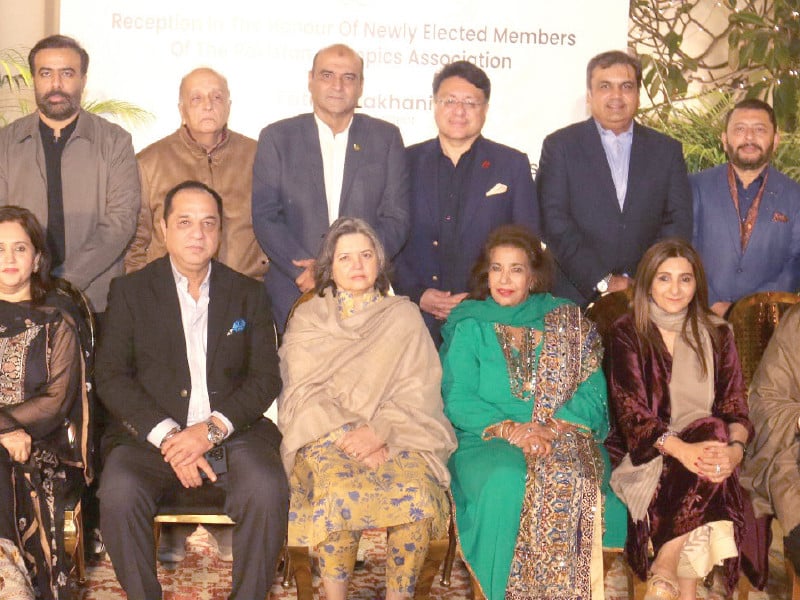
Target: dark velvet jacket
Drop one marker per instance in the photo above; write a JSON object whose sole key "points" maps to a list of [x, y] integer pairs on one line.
{"points": [[639, 402]]}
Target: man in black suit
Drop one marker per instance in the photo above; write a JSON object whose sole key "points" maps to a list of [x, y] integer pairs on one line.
{"points": [[608, 187], [186, 363]]}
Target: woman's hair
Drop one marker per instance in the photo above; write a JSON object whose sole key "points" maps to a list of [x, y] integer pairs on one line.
{"points": [[323, 269], [515, 236], [698, 313], [41, 283]]}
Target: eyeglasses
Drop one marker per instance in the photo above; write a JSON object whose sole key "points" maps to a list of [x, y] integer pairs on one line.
{"points": [[450, 103]]}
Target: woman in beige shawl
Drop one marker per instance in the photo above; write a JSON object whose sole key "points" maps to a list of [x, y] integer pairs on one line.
{"points": [[365, 441]]}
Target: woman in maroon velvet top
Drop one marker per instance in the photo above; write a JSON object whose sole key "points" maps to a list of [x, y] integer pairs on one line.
{"points": [[678, 401]]}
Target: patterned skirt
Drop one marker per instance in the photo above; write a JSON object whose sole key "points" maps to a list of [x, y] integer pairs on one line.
{"points": [[332, 492]]}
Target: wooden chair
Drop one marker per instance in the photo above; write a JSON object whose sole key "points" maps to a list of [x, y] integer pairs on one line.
{"points": [[754, 319]]}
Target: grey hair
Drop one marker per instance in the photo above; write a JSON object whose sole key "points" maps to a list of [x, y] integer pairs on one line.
{"points": [[323, 269]]}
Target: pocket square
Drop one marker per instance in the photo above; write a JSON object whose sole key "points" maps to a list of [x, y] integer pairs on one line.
{"points": [[237, 327], [498, 188], [779, 217]]}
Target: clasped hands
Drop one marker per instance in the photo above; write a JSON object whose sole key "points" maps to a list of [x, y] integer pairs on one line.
{"points": [[364, 445], [711, 460], [184, 452], [534, 439]]}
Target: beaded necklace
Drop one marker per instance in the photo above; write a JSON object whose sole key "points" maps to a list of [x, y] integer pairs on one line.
{"points": [[520, 358]]}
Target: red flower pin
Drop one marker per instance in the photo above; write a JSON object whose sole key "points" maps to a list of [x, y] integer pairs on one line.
{"points": [[486, 164]]}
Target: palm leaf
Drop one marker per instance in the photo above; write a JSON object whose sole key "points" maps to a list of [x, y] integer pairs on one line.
{"points": [[119, 109]]}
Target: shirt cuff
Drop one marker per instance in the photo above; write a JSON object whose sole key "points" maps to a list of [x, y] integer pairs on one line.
{"points": [[224, 419], [157, 433]]}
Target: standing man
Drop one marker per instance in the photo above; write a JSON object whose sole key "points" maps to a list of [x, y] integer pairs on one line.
{"points": [[314, 168], [75, 171], [202, 149], [747, 213], [462, 187], [609, 187], [187, 363]]}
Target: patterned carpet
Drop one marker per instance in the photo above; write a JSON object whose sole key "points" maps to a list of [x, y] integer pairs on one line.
{"points": [[203, 576]]}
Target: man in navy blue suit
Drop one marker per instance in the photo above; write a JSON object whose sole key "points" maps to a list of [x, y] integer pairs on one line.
{"points": [[746, 213], [608, 187], [462, 187]]}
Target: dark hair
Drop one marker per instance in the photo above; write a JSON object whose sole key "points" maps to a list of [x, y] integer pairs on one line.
{"points": [[753, 104], [466, 70], [516, 236], [698, 313], [323, 268], [191, 184], [340, 49], [41, 284], [608, 59], [59, 41]]}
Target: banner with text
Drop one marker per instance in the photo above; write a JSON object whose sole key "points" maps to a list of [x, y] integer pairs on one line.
{"points": [[534, 52]]}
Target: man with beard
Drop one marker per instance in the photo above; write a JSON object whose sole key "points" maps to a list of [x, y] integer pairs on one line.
{"points": [[746, 213], [75, 171]]}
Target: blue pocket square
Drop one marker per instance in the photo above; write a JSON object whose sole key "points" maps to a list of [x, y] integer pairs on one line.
{"points": [[237, 327]]}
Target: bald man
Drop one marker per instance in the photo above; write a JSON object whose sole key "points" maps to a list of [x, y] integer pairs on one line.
{"points": [[202, 149], [314, 168]]}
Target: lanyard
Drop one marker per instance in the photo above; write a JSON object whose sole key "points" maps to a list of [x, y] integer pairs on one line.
{"points": [[746, 226]]}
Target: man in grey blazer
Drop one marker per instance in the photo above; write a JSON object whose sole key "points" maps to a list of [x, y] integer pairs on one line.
{"points": [[74, 170], [313, 168]]}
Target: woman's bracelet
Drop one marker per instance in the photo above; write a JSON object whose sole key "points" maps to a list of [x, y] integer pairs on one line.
{"points": [[662, 439], [741, 444]]}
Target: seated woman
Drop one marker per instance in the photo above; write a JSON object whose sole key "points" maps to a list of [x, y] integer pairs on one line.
{"points": [[679, 407], [364, 438], [42, 400], [524, 389]]}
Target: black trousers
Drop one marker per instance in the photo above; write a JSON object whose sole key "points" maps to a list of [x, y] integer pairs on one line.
{"points": [[136, 478]]}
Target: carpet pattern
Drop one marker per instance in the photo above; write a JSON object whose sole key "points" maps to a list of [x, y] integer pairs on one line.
{"points": [[203, 576]]}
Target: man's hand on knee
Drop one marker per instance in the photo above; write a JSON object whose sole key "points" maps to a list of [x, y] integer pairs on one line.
{"points": [[189, 475]]}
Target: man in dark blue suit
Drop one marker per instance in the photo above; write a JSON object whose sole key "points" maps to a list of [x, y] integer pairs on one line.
{"points": [[462, 187], [747, 213], [608, 187]]}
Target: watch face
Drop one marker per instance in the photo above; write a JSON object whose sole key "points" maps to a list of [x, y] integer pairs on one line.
{"points": [[602, 286]]}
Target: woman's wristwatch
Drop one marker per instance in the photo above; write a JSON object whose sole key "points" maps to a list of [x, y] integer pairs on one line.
{"points": [[741, 444]]}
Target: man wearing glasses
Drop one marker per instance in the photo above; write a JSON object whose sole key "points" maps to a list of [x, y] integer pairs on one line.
{"points": [[462, 187]]}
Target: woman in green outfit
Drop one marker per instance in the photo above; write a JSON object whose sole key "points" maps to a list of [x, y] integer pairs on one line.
{"points": [[524, 388]]}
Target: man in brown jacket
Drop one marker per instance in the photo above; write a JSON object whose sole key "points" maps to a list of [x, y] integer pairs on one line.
{"points": [[202, 149]]}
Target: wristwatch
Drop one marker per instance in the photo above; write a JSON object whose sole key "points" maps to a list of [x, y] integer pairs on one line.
{"points": [[215, 434], [602, 285]]}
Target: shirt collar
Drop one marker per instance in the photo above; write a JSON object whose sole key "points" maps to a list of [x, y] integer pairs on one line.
{"points": [[628, 133], [183, 282], [759, 180], [324, 129]]}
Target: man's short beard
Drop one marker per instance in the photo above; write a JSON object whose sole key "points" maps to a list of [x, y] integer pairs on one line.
{"points": [[58, 112], [753, 164]]}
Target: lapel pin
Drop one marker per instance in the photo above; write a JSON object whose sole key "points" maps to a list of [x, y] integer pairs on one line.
{"points": [[356, 147]]}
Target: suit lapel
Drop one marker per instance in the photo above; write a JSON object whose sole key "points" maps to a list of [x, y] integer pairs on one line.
{"points": [[313, 162], [479, 182], [429, 180], [597, 165], [168, 311], [357, 138], [727, 209], [219, 298]]}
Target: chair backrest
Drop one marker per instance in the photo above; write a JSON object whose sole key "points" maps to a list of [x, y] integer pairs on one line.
{"points": [[754, 319], [608, 308]]}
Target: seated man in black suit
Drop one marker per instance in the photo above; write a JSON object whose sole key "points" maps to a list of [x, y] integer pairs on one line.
{"points": [[186, 363]]}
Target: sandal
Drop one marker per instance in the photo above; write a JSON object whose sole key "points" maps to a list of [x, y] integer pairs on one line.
{"points": [[661, 588]]}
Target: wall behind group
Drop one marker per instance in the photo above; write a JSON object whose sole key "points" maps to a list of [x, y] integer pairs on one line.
{"points": [[535, 53]]}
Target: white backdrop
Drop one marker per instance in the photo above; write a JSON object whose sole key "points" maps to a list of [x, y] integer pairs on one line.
{"points": [[534, 51]]}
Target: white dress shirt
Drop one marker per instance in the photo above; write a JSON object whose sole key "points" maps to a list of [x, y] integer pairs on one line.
{"points": [[334, 150], [618, 154], [194, 317]]}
